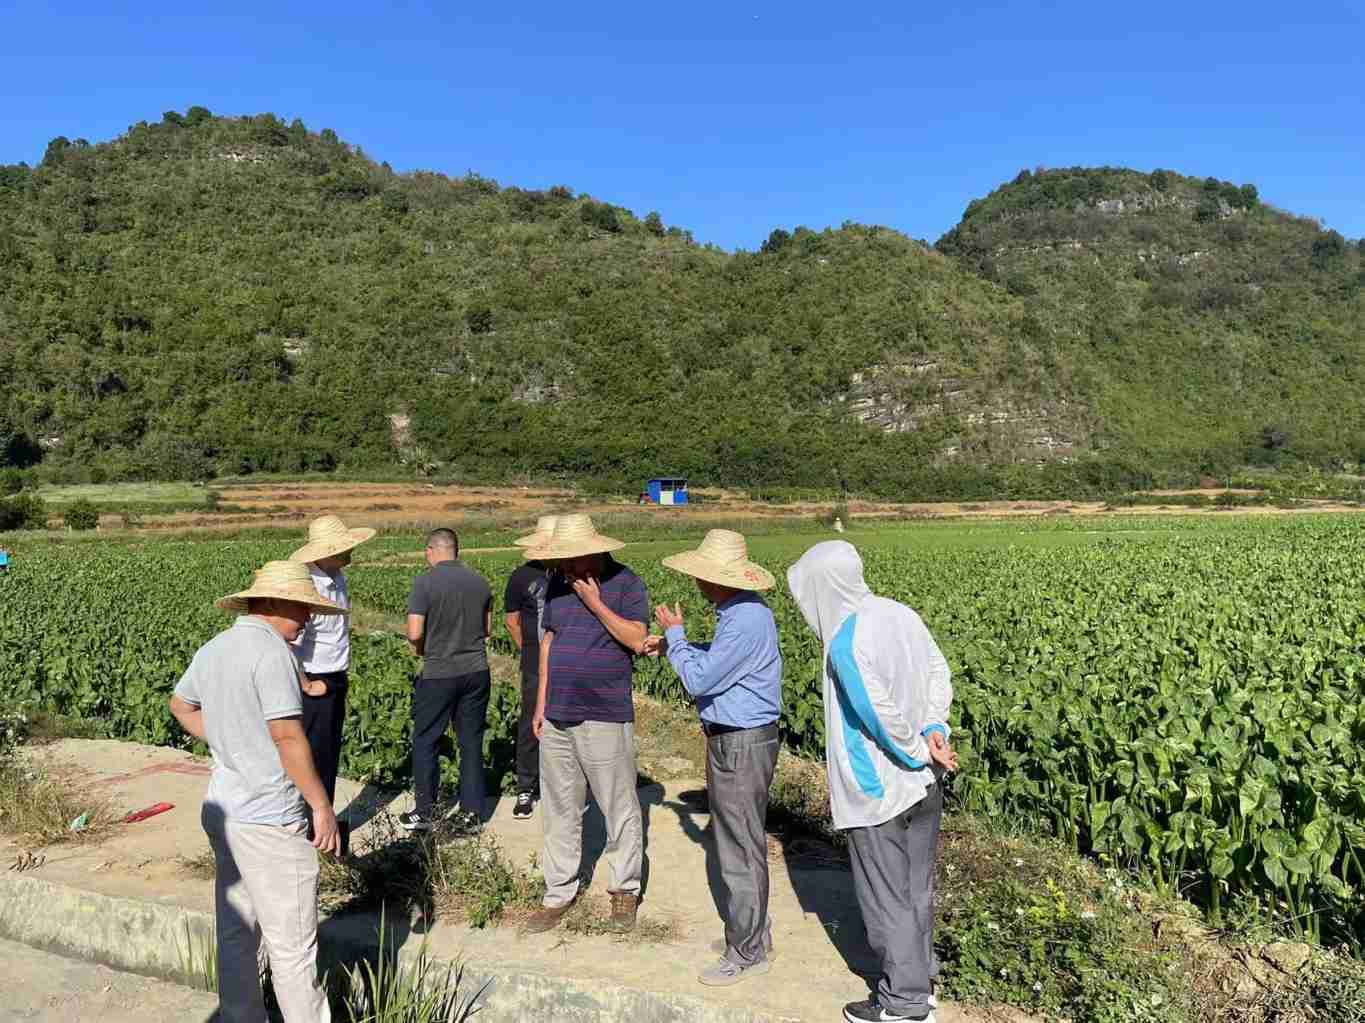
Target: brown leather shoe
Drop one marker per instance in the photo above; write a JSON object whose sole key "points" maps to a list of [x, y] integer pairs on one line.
{"points": [[624, 906], [546, 918]]}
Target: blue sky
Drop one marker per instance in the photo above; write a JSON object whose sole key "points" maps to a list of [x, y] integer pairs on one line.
{"points": [[735, 118]]}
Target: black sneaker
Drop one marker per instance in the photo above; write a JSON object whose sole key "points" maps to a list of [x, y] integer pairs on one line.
{"points": [[414, 821], [871, 1010], [522, 810]]}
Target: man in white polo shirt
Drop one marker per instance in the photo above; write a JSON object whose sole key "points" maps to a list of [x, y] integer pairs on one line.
{"points": [[241, 695], [324, 646]]}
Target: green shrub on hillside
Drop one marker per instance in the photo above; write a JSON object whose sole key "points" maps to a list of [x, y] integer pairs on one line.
{"points": [[81, 515], [27, 511]]}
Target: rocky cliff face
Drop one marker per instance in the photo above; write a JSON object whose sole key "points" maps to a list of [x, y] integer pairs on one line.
{"points": [[918, 395]]}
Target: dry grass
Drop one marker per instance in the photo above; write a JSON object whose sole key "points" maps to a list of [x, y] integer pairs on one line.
{"points": [[43, 727], [799, 800], [668, 740], [201, 867], [40, 805], [591, 916]]}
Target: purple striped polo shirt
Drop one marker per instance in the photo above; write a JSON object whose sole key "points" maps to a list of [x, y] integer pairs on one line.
{"points": [[590, 673]]}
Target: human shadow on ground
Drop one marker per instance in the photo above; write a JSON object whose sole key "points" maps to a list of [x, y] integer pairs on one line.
{"points": [[823, 883], [693, 812], [651, 794], [818, 871], [367, 804]]}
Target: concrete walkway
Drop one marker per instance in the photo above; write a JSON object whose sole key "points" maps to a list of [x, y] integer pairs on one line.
{"points": [[817, 928], [43, 988]]}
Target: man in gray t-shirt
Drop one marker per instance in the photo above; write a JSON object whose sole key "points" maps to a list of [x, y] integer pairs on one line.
{"points": [[450, 614], [241, 694]]}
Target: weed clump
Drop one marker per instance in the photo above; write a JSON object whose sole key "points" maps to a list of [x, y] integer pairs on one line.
{"points": [[438, 874]]}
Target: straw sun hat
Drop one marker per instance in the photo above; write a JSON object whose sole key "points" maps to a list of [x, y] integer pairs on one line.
{"points": [[574, 536], [722, 558], [545, 525], [328, 536], [282, 580]]}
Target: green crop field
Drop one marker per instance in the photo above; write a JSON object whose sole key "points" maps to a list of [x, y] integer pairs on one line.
{"points": [[1179, 696]]}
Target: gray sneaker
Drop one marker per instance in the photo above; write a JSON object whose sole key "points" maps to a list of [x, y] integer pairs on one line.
{"points": [[720, 948], [723, 973]]}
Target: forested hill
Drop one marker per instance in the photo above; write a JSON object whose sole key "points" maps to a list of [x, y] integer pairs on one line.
{"points": [[209, 295], [1202, 325]]}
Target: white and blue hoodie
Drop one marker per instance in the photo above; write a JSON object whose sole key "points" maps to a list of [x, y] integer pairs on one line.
{"points": [[886, 685]]}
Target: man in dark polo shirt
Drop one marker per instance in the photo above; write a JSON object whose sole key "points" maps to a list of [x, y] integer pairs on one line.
{"points": [[594, 624], [524, 604], [449, 619]]}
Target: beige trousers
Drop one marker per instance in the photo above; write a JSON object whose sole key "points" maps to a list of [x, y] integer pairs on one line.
{"points": [[573, 758], [266, 888]]}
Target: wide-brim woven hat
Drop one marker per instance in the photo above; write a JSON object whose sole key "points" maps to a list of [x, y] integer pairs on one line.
{"points": [[282, 580], [545, 525], [574, 536], [328, 536], [722, 558]]}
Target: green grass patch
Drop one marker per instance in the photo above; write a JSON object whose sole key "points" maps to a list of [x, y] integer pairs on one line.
{"points": [[112, 496]]}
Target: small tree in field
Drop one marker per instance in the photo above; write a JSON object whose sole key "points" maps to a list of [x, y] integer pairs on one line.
{"points": [[82, 515]]}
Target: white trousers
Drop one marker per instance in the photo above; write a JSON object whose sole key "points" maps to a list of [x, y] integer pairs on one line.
{"points": [[266, 888]]}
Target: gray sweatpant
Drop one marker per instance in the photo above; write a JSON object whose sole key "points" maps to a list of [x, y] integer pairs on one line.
{"points": [[893, 877], [739, 771], [573, 758]]}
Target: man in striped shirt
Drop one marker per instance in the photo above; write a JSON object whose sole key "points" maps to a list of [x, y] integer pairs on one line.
{"points": [[594, 625]]}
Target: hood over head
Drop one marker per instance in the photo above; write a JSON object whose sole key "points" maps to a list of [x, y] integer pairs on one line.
{"points": [[827, 583]]}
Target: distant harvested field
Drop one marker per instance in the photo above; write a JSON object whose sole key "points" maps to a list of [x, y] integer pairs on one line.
{"points": [[414, 506], [396, 505], [401, 505], [125, 493]]}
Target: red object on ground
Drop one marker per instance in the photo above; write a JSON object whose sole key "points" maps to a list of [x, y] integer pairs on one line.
{"points": [[151, 811]]}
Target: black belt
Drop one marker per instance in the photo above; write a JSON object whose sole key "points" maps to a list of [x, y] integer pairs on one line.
{"points": [[712, 729]]}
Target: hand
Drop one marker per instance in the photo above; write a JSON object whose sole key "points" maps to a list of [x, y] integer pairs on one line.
{"points": [[667, 617], [314, 686], [326, 838], [654, 646], [538, 722], [941, 753], [589, 592]]}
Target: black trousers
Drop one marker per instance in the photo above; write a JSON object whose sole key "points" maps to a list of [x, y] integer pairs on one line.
{"points": [[323, 717], [434, 702], [528, 746]]}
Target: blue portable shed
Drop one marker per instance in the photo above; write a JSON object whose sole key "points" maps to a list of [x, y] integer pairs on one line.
{"points": [[667, 490]]}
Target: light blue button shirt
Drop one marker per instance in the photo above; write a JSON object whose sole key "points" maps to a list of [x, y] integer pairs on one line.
{"points": [[736, 679]]}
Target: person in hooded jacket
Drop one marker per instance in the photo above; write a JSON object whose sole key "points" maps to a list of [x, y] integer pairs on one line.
{"points": [[887, 691]]}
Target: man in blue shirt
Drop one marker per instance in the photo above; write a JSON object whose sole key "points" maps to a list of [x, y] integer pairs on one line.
{"points": [[736, 681]]}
